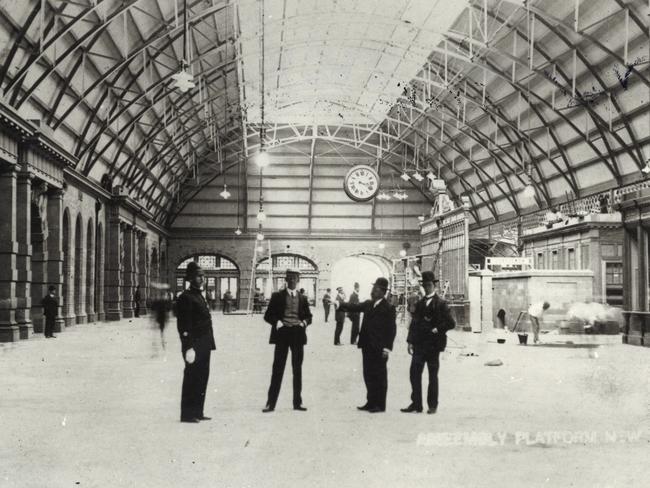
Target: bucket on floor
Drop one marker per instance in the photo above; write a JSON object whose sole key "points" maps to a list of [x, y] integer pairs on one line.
{"points": [[501, 341], [523, 339]]}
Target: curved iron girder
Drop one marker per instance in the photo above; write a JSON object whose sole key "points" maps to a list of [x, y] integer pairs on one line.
{"points": [[595, 116], [183, 99], [19, 38], [126, 4], [122, 66], [148, 106], [155, 131], [496, 113]]}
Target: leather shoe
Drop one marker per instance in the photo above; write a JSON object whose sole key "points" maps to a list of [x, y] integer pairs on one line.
{"points": [[364, 407], [411, 408], [300, 408], [190, 421], [376, 410], [203, 417], [268, 409], [432, 410]]}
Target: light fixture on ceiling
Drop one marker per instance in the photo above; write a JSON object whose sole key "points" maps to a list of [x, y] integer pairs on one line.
{"points": [[646, 169], [421, 218], [225, 194], [400, 195], [262, 159], [183, 80], [383, 196], [238, 231], [261, 216], [418, 176], [402, 253], [260, 236], [405, 176]]}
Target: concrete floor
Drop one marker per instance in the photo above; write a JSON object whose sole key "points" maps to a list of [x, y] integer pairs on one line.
{"points": [[99, 407]]}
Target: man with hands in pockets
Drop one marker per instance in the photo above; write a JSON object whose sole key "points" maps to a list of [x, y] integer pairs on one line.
{"points": [[288, 315], [197, 342]]}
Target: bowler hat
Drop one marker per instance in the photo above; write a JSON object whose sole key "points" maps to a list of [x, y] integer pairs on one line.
{"points": [[292, 271], [429, 277], [381, 283], [192, 270]]}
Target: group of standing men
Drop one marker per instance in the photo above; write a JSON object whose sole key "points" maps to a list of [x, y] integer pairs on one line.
{"points": [[340, 313], [289, 315]]}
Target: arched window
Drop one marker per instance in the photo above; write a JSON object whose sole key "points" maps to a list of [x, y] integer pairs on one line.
{"points": [[280, 263], [221, 276]]}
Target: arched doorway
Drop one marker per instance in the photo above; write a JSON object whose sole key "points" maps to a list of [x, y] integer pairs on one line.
{"points": [[66, 291], [90, 272], [221, 275], [99, 274], [39, 286], [78, 271], [363, 269], [282, 262]]}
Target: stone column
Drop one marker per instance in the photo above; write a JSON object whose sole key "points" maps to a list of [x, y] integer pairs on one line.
{"points": [[113, 275], [9, 331], [55, 251], [24, 256], [128, 274], [143, 271]]}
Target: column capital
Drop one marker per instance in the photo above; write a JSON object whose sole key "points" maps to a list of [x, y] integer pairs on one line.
{"points": [[55, 193], [25, 175]]}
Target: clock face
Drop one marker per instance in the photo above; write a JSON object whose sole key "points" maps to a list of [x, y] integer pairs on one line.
{"points": [[361, 183]]}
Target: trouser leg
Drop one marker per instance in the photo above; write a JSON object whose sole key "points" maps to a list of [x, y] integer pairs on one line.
{"points": [[337, 331], [202, 383], [367, 377], [535, 322], [376, 374], [354, 332], [327, 311], [49, 326], [188, 393], [279, 361], [415, 374], [433, 365], [297, 355]]}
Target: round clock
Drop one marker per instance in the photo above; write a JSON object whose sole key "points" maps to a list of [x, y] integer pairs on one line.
{"points": [[361, 183]]}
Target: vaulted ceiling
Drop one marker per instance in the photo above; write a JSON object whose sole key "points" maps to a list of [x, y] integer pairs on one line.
{"points": [[488, 94]]}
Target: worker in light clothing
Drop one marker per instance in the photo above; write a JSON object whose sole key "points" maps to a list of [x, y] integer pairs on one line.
{"points": [[536, 312]]}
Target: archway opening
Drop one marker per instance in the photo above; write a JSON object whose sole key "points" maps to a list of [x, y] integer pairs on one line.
{"points": [[78, 269], [221, 276], [362, 269], [66, 300], [90, 272], [270, 277], [39, 287], [99, 266]]}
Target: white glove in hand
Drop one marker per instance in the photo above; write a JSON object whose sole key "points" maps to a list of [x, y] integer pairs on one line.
{"points": [[190, 356]]}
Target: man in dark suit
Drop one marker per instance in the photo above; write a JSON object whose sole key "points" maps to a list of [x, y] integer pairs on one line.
{"points": [[427, 337], [327, 302], [289, 315], [376, 342], [354, 316], [50, 308], [339, 315], [197, 342]]}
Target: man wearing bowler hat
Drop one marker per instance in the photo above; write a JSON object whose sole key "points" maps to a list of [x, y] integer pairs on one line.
{"points": [[426, 339], [197, 342], [376, 342], [289, 315]]}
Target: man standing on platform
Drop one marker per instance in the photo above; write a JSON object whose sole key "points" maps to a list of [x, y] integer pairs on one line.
{"points": [[136, 299], [50, 307], [289, 315], [339, 315], [426, 339], [376, 342], [327, 303], [354, 316], [197, 342]]}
